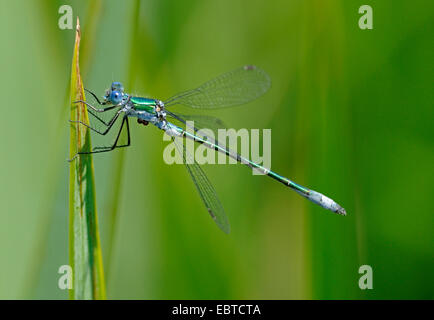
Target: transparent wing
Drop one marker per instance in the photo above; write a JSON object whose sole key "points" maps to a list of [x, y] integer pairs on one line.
{"points": [[204, 187], [199, 121], [230, 89]]}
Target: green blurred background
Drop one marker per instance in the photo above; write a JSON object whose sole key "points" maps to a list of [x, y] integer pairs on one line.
{"points": [[351, 113]]}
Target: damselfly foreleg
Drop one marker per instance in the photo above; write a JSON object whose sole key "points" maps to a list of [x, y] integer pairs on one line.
{"points": [[95, 97], [109, 125]]}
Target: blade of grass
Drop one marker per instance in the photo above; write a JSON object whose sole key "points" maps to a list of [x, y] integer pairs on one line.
{"points": [[84, 244], [40, 245]]}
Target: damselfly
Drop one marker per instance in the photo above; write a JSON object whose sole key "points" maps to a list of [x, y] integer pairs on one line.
{"points": [[236, 87]]}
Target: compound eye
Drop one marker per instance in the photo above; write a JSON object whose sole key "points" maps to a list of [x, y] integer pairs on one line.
{"points": [[115, 97], [117, 86]]}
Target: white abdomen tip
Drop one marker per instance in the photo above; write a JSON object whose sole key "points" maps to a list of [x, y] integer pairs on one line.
{"points": [[326, 202]]}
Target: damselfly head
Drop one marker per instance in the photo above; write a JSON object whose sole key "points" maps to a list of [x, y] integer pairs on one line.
{"points": [[115, 94]]}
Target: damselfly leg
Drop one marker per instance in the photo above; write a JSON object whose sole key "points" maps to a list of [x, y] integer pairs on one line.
{"points": [[95, 97], [99, 149], [109, 124], [115, 144]]}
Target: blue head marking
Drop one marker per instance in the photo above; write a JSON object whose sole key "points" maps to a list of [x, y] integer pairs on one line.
{"points": [[117, 86], [115, 94]]}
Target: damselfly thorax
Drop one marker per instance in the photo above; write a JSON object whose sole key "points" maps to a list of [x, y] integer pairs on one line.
{"points": [[147, 111]]}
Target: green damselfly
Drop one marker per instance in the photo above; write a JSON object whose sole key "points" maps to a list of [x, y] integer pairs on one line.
{"points": [[233, 88]]}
